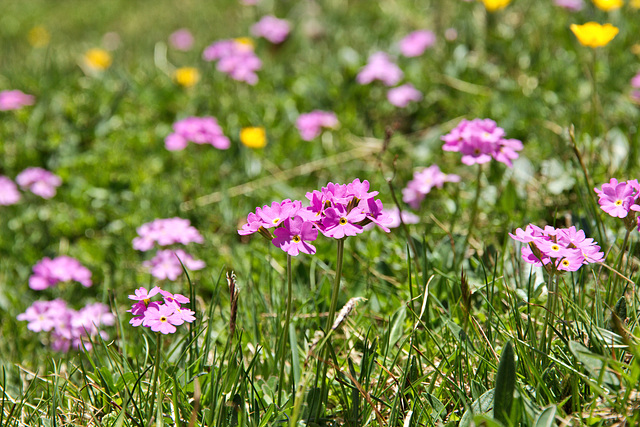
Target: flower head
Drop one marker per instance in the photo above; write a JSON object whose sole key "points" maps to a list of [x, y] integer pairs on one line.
{"points": [[573, 5], [14, 100], [39, 181], [617, 198], [294, 235], [417, 42], [423, 181], [181, 39], [608, 5], [9, 194], [253, 137], [401, 96], [199, 130], [494, 5], [236, 58], [310, 124], [166, 232], [97, 59], [167, 264], [593, 34], [380, 68], [187, 76], [38, 36], [161, 316], [49, 272], [271, 28]]}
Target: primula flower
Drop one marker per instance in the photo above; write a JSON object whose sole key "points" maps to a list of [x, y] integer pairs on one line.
{"points": [[422, 183], [339, 222], [616, 198], [407, 217], [573, 5], [39, 181], [310, 124], [271, 28], [161, 316], [199, 130], [593, 34], [166, 232], [380, 68], [253, 137], [608, 5], [9, 194], [97, 59], [294, 235], [166, 264], [49, 272], [417, 42], [187, 76], [493, 5], [236, 58], [38, 36], [14, 100], [181, 39], [401, 96]]}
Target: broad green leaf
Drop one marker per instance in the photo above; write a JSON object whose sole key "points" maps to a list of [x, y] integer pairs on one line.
{"points": [[480, 406], [546, 417], [505, 384], [594, 364]]}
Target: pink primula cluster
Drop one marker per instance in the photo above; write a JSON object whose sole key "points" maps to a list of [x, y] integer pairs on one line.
{"points": [[619, 199], [14, 100], [271, 28], [67, 327], [161, 316], [572, 5], [422, 183], [480, 140], [9, 194], [380, 67], [39, 181], [49, 272], [557, 249], [337, 211], [310, 125], [199, 130], [635, 84], [167, 264], [417, 42], [395, 214], [235, 58], [181, 39], [402, 95]]}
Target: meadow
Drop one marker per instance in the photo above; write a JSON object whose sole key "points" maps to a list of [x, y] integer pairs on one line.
{"points": [[319, 213]]}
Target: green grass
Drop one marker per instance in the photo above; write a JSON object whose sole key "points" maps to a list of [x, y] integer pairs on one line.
{"points": [[442, 303]]}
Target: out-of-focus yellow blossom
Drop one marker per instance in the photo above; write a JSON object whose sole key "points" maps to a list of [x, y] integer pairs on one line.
{"points": [[635, 49], [38, 36], [187, 76], [593, 34], [97, 59], [493, 5], [607, 5], [253, 137], [635, 4]]}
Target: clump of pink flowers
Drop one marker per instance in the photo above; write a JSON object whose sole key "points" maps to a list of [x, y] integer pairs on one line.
{"points": [[161, 315], [67, 327], [422, 183], [310, 125], [572, 5], [336, 211], [557, 249], [480, 140], [402, 95], [39, 181], [236, 58], [618, 199], [9, 194], [635, 84], [395, 214], [49, 272], [380, 67], [417, 42], [167, 264], [181, 39], [199, 130], [271, 28], [14, 100]]}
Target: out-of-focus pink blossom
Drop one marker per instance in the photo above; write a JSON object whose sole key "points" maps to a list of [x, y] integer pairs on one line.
{"points": [[166, 232], [49, 272], [236, 58], [166, 264], [15, 99], [310, 124], [422, 183], [9, 194], [573, 5], [271, 28], [401, 96], [199, 130], [380, 67], [181, 39], [39, 181], [417, 42]]}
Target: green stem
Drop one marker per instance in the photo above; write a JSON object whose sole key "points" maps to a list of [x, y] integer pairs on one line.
{"points": [[545, 342], [474, 214], [612, 297], [156, 372], [594, 96], [286, 330]]}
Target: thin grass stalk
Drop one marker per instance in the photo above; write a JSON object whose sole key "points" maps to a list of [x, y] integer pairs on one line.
{"points": [[286, 329], [594, 95], [156, 373], [474, 214]]}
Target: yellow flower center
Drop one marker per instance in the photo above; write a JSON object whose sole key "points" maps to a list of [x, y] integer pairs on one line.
{"points": [[296, 239], [163, 319], [343, 221]]}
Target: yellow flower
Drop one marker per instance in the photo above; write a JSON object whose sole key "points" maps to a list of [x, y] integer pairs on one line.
{"points": [[593, 34], [635, 4], [253, 137], [38, 36], [187, 76], [608, 5], [97, 59], [493, 5]]}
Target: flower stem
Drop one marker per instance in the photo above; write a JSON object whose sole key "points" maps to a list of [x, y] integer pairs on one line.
{"points": [[545, 342], [285, 334], [474, 214], [612, 297], [156, 372], [594, 95]]}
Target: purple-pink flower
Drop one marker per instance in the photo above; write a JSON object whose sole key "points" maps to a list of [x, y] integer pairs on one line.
{"points": [[402, 95], [417, 42], [294, 235], [236, 58], [9, 194], [380, 67], [39, 181], [181, 39], [480, 140], [166, 264], [422, 183], [15, 99], [49, 272], [199, 130], [166, 232], [161, 316], [310, 125], [617, 198], [271, 28], [407, 217], [573, 5]]}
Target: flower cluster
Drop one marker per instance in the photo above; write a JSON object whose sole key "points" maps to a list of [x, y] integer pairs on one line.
{"points": [[310, 124], [9, 194], [380, 68], [402, 95], [395, 214], [68, 328], [271, 28], [479, 140], [14, 100], [167, 264], [39, 181], [49, 272], [236, 58], [181, 39], [572, 5], [618, 199], [199, 130], [161, 316], [416, 43], [557, 249], [337, 211], [635, 84], [422, 183]]}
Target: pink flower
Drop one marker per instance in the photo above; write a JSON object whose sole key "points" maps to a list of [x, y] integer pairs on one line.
{"points": [[417, 42], [422, 183], [310, 124], [14, 99], [49, 272], [162, 318], [200, 130], [635, 81], [166, 264], [39, 181], [380, 68], [339, 223], [294, 236], [9, 194], [573, 5], [234, 58], [271, 28], [166, 232], [401, 96], [181, 39], [275, 214], [616, 198], [141, 294], [407, 217]]}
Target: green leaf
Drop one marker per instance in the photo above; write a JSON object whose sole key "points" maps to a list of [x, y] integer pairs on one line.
{"points": [[594, 363], [505, 384], [398, 326], [546, 417], [483, 405]]}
